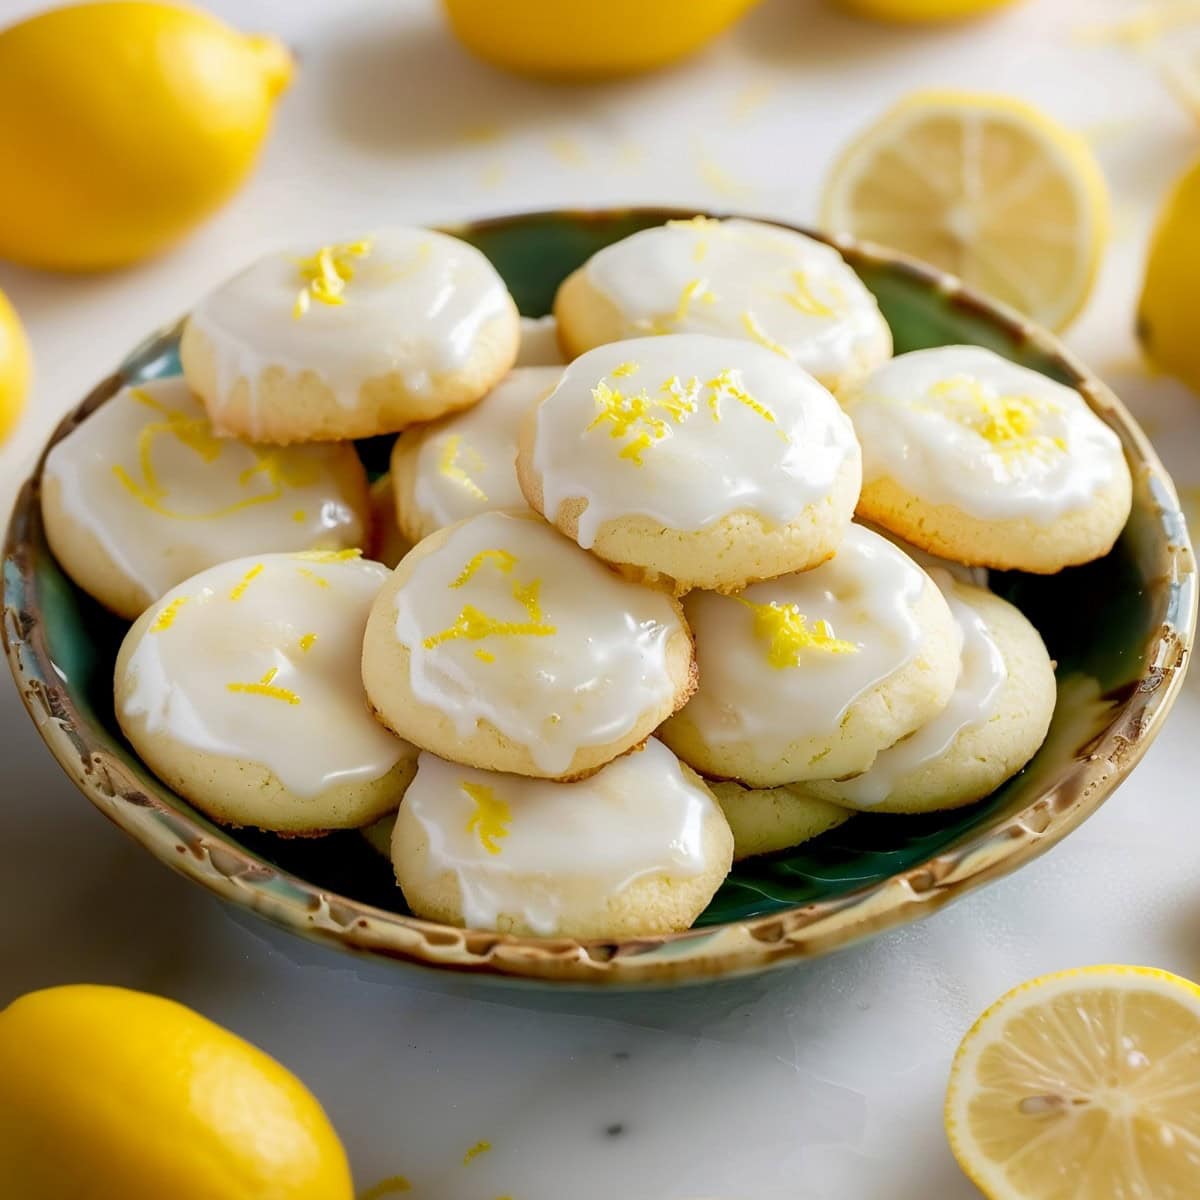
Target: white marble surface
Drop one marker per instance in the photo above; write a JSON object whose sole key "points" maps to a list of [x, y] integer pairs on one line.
{"points": [[823, 1081]]}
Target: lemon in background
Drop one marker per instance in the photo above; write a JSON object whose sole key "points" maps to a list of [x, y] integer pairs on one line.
{"points": [[117, 1095], [122, 125], [15, 367], [984, 186], [921, 11], [588, 39], [1083, 1084], [1167, 325]]}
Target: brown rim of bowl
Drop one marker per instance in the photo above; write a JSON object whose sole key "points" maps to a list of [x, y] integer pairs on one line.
{"points": [[211, 856]]}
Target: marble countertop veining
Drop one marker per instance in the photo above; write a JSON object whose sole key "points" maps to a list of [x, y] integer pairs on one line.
{"points": [[824, 1081]]}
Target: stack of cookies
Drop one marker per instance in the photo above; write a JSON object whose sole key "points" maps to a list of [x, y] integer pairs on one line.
{"points": [[635, 631]]}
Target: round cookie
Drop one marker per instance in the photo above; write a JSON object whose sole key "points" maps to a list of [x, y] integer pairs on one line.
{"points": [[327, 343], [988, 463], [811, 675], [699, 461], [388, 544], [500, 644], [995, 721], [539, 343], [141, 495], [637, 849], [764, 820], [240, 689], [732, 278], [464, 464]]}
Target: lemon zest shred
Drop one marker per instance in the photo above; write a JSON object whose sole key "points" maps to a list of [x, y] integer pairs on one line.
{"points": [[503, 560], [475, 625], [627, 368], [313, 577], [328, 556], [324, 275], [299, 516], [786, 631], [1006, 422], [239, 588], [390, 1186], [167, 615], [264, 687], [803, 297], [485, 656], [760, 335], [306, 642], [483, 1147], [728, 383], [448, 466]]}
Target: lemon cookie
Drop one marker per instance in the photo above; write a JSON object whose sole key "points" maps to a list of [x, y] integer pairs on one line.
{"points": [[326, 343], [741, 279], [975, 458], [993, 725], [764, 820], [637, 849], [811, 675], [240, 689], [539, 343], [142, 495], [699, 460], [388, 543], [500, 644], [464, 464]]}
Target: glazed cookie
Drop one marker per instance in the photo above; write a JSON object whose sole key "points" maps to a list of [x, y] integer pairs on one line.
{"points": [[326, 343], [635, 850], [464, 464], [240, 689], [142, 495], [500, 644], [811, 675], [993, 725], [701, 461], [388, 544], [539, 343], [741, 279], [764, 820], [975, 458]]}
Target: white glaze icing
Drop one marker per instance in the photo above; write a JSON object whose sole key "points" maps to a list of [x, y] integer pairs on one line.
{"points": [[980, 680], [258, 659], [516, 845], [165, 498], [744, 279], [687, 429], [865, 594], [593, 662], [962, 426], [414, 303], [467, 465], [539, 343], [976, 576]]}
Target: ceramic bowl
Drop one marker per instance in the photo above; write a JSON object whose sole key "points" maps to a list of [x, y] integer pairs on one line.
{"points": [[1119, 630]]}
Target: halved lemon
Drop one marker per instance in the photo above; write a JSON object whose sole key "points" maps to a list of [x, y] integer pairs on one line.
{"points": [[985, 187], [1084, 1085]]}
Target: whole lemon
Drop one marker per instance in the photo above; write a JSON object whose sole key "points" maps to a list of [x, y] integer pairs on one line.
{"points": [[918, 12], [588, 39], [1171, 294], [15, 367], [117, 1095], [122, 125]]}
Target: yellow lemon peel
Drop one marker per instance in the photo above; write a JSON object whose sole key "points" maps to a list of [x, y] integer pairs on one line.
{"points": [[786, 631], [307, 641], [449, 466], [239, 589], [803, 298], [490, 822], [328, 556], [264, 687], [326, 273], [166, 617], [1007, 422], [480, 1147], [503, 560], [760, 335], [313, 577]]}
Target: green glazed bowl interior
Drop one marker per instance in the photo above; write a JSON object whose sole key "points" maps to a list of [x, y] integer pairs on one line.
{"points": [[1118, 629]]}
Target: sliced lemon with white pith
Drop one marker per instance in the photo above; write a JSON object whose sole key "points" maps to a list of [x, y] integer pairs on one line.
{"points": [[1083, 1085], [985, 187]]}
